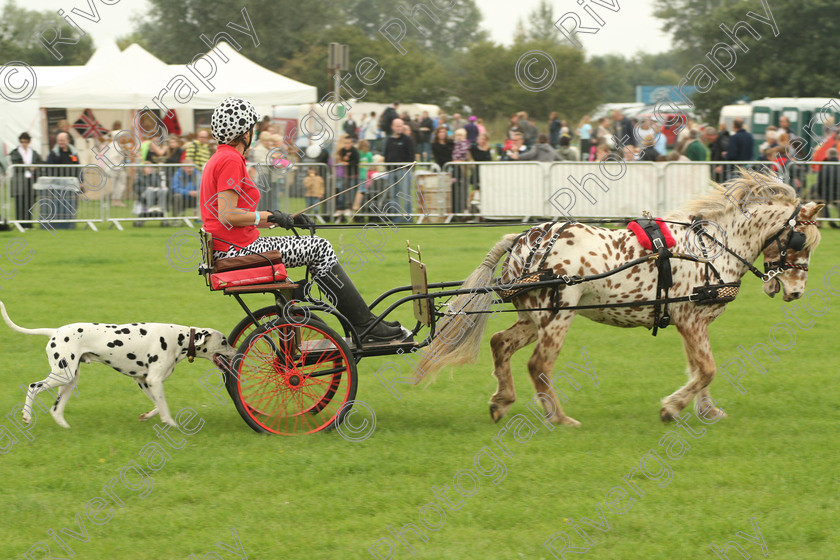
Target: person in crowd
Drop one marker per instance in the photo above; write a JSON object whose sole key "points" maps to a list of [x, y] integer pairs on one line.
{"points": [[513, 126], [529, 131], [24, 178], [173, 153], [442, 147], [262, 126], [413, 126], [542, 151], [199, 151], [717, 146], [622, 129], [516, 149], [365, 157], [584, 130], [346, 174], [740, 146], [313, 187], [648, 151], [62, 126], [771, 136], [457, 122], [185, 185], [827, 187], [371, 132], [566, 151], [603, 131], [424, 147], [388, 116], [460, 173], [64, 153], [480, 152], [443, 121], [351, 127], [229, 213], [480, 124], [399, 149], [151, 196], [472, 130], [554, 126], [602, 150], [784, 127], [696, 149], [122, 151]]}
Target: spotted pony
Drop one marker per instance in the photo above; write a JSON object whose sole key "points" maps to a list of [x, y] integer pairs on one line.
{"points": [[724, 231]]}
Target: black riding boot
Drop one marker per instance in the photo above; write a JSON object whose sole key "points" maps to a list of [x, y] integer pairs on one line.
{"points": [[338, 286]]}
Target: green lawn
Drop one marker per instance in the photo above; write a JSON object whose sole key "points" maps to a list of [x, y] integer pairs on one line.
{"points": [[321, 496]]}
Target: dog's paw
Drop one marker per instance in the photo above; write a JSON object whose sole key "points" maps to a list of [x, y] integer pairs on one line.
{"points": [[171, 422], [59, 420]]}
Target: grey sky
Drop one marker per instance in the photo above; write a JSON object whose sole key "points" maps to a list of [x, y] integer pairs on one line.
{"points": [[628, 31]]}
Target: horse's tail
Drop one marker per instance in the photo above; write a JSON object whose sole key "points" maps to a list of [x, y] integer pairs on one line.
{"points": [[458, 335], [45, 332]]}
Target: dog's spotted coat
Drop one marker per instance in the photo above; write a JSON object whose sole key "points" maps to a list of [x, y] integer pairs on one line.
{"points": [[145, 352]]}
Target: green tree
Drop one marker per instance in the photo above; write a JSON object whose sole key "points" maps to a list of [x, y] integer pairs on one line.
{"points": [[172, 30], [540, 25], [459, 26], [796, 63], [19, 38]]}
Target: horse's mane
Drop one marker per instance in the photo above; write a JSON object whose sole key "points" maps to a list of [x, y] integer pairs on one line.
{"points": [[735, 195], [748, 188]]}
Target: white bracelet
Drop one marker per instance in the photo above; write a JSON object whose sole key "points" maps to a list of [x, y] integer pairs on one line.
{"points": [[257, 219]]}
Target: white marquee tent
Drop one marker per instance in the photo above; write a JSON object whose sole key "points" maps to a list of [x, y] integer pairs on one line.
{"points": [[115, 84]]}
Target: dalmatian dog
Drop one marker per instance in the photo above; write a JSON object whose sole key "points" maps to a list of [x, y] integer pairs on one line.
{"points": [[146, 352]]}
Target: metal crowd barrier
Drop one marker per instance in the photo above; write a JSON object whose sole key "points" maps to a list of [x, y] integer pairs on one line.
{"points": [[59, 196]]}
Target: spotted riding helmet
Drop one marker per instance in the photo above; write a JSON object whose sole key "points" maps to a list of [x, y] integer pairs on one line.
{"points": [[231, 119]]}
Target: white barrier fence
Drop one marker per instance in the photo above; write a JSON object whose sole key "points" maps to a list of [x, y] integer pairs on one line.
{"points": [[503, 190]]}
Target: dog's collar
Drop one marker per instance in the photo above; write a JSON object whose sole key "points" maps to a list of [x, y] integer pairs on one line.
{"points": [[191, 347]]}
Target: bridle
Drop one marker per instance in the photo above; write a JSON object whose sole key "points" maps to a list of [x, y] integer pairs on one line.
{"points": [[795, 240]]}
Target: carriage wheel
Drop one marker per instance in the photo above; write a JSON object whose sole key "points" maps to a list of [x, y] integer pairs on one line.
{"points": [[293, 379], [246, 326]]}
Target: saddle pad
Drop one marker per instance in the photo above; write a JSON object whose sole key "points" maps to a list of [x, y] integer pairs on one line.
{"points": [[644, 240], [248, 276], [248, 261]]}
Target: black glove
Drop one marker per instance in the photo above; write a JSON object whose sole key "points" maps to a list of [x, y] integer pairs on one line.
{"points": [[282, 219], [303, 221]]}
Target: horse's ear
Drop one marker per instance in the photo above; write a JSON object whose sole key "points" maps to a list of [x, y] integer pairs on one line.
{"points": [[811, 209]]}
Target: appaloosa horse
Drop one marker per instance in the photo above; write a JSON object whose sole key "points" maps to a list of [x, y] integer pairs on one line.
{"points": [[736, 222]]}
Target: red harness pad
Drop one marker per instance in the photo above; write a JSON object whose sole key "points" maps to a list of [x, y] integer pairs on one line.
{"points": [[643, 238], [248, 276]]}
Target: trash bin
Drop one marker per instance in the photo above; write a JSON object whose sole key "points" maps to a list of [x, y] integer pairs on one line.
{"points": [[436, 192], [57, 200]]}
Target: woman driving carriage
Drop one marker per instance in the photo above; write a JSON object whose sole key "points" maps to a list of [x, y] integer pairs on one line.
{"points": [[228, 210]]}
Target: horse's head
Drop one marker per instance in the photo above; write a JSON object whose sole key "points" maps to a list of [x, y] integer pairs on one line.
{"points": [[787, 252]]}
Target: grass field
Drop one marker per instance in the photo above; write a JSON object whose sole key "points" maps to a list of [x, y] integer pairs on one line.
{"points": [[773, 459]]}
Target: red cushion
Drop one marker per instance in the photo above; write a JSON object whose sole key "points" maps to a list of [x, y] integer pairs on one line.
{"points": [[643, 239], [248, 277]]}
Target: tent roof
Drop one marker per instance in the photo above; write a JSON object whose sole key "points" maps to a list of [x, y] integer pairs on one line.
{"points": [[126, 81], [104, 54], [242, 77]]}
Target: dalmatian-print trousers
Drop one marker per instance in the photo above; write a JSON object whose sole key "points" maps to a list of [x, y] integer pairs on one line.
{"points": [[314, 252]]}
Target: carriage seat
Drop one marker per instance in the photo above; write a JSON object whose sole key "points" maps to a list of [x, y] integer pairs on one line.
{"points": [[257, 272]]}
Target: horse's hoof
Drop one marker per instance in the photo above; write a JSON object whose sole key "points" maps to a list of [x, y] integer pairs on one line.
{"points": [[494, 413], [665, 415]]}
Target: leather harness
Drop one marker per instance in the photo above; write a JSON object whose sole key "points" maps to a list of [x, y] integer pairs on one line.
{"points": [[708, 294]]}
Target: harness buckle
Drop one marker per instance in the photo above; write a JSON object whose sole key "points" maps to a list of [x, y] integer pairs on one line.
{"points": [[566, 279], [657, 244], [771, 274]]}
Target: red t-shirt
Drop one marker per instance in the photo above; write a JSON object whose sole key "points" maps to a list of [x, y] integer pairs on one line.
{"points": [[226, 170]]}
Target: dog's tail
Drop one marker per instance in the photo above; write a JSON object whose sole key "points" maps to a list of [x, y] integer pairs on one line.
{"points": [[45, 332]]}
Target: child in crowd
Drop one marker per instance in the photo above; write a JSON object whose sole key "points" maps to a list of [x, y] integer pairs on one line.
{"points": [[313, 185]]}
